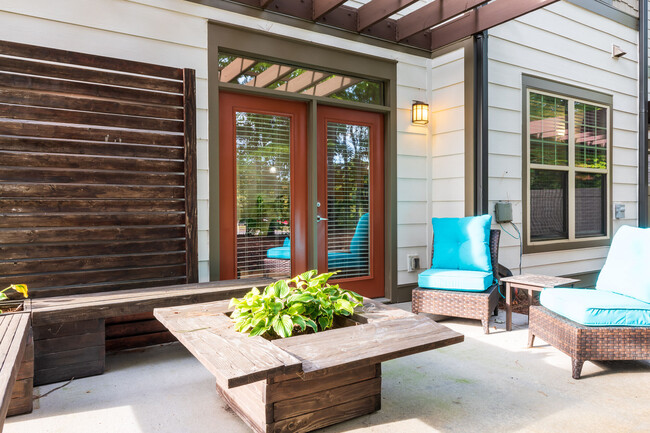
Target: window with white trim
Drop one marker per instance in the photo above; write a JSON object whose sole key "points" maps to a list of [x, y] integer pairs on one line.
{"points": [[568, 168]]}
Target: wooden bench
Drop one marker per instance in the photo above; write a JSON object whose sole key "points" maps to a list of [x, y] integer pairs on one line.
{"points": [[72, 333], [16, 365]]}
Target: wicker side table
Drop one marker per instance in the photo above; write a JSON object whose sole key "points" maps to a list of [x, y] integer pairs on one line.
{"points": [[530, 283]]}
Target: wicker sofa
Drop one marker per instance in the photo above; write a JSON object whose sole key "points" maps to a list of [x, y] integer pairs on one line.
{"points": [[609, 323], [469, 305]]}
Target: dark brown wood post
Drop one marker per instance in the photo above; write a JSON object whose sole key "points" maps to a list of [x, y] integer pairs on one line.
{"points": [[189, 110]]}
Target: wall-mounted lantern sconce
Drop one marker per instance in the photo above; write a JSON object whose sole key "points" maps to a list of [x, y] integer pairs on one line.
{"points": [[420, 113]]}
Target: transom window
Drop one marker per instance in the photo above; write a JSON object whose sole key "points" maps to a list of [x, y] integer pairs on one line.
{"points": [[259, 73], [568, 168]]}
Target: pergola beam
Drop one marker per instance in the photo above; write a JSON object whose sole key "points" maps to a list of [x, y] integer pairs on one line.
{"points": [[483, 18], [272, 74], [333, 85], [321, 7], [235, 68], [377, 10], [433, 14], [302, 81]]}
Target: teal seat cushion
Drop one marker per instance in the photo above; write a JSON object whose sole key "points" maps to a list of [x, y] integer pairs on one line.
{"points": [[279, 253], [454, 279], [627, 268], [462, 243], [596, 307]]}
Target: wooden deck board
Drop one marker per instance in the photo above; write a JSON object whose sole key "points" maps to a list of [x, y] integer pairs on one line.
{"points": [[15, 329]]}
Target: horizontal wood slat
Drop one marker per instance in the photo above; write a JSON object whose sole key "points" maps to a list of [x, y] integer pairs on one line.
{"points": [[91, 220], [25, 159], [50, 190], [25, 266], [78, 102], [90, 75], [46, 145], [19, 112], [22, 175], [45, 130], [96, 192], [89, 89], [87, 205]]}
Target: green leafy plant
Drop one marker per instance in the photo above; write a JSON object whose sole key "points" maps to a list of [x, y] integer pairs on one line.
{"points": [[301, 304], [20, 288]]}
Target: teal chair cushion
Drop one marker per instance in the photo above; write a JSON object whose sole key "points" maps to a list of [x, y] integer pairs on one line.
{"points": [[286, 243], [359, 242], [596, 307], [341, 260], [462, 243], [454, 279], [279, 253], [627, 268]]}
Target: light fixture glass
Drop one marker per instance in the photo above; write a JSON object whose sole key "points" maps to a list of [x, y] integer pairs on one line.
{"points": [[420, 113]]}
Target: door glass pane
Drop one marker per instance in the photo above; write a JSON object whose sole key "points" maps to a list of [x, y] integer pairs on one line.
{"points": [[548, 205], [590, 204], [348, 203], [263, 195], [548, 130], [591, 135]]}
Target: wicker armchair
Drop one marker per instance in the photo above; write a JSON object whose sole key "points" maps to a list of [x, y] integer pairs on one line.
{"points": [[469, 305]]}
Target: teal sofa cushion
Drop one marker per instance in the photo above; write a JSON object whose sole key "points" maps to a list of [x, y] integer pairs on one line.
{"points": [[462, 243], [627, 268], [279, 253], [596, 307], [454, 279]]}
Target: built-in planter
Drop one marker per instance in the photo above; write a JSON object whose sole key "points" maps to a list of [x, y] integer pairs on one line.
{"points": [[306, 382]]}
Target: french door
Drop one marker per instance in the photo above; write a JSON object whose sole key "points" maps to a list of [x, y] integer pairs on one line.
{"points": [[264, 196]]}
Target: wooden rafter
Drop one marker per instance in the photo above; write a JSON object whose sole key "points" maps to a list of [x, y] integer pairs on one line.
{"points": [[377, 10], [235, 68], [303, 81], [437, 23], [479, 19], [433, 14], [333, 85], [270, 75], [321, 7]]}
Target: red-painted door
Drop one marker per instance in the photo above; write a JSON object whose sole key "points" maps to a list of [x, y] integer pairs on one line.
{"points": [[351, 198]]}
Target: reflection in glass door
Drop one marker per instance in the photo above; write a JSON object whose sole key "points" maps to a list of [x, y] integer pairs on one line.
{"points": [[350, 223]]}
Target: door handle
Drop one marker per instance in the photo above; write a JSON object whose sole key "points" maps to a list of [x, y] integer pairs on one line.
{"points": [[319, 219]]}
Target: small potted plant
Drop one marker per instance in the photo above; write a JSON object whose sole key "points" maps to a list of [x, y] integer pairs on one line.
{"points": [[304, 304], [13, 305]]}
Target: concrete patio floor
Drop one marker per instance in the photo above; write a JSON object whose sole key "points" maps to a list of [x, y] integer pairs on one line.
{"points": [[489, 383]]}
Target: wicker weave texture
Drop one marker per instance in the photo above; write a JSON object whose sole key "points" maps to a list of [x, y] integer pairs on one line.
{"points": [[469, 305], [278, 268], [585, 343]]}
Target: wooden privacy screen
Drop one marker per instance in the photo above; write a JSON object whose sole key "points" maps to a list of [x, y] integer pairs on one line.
{"points": [[97, 172]]}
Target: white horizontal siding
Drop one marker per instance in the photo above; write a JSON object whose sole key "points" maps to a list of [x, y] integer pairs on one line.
{"points": [[571, 45]]}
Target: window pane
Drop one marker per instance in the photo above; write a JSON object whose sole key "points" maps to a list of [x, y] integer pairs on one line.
{"points": [[263, 195], [348, 199], [548, 130], [258, 73], [548, 205], [591, 135], [591, 199]]}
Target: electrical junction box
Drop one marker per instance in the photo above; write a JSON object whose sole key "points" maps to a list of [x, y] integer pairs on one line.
{"points": [[619, 211], [413, 262], [503, 212]]}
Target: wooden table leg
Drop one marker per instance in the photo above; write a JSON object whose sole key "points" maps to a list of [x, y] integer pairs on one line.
{"points": [[508, 307]]}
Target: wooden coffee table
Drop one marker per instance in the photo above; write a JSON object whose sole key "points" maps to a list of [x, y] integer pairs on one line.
{"points": [[305, 382], [530, 283]]}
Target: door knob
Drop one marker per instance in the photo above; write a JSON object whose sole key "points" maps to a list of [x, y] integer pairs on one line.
{"points": [[319, 218]]}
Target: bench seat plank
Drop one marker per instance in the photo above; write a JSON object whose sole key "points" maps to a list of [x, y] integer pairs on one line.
{"points": [[14, 329], [124, 302], [234, 358]]}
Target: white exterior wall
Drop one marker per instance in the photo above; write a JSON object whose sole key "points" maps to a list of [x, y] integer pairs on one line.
{"points": [[174, 33], [569, 44]]}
